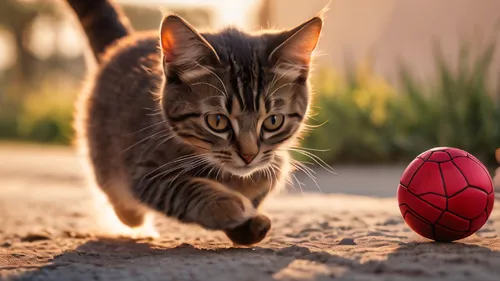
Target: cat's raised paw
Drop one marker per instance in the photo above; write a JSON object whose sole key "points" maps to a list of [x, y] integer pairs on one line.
{"points": [[226, 212], [250, 232]]}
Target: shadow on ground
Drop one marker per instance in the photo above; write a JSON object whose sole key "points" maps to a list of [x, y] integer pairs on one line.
{"points": [[115, 259]]}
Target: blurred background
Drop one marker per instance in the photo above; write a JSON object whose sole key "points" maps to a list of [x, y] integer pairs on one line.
{"points": [[391, 78]]}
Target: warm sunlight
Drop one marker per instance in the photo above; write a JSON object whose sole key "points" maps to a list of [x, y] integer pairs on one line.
{"points": [[227, 12], [48, 37], [42, 37], [7, 48], [249, 140]]}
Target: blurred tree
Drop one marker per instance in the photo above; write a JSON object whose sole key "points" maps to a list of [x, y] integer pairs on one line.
{"points": [[18, 17]]}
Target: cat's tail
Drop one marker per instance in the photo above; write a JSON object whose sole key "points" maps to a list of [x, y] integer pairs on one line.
{"points": [[102, 21]]}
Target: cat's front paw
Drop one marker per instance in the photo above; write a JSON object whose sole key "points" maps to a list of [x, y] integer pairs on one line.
{"points": [[250, 232], [227, 212]]}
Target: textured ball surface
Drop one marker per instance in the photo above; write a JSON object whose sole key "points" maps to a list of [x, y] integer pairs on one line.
{"points": [[445, 194]]}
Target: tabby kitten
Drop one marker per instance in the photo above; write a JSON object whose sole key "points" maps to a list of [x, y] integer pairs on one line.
{"points": [[194, 125]]}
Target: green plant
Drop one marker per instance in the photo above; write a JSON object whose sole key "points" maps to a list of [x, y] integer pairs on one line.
{"points": [[368, 120], [459, 109], [43, 116]]}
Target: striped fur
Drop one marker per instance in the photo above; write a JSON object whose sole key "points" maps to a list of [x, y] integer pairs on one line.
{"points": [[142, 120]]}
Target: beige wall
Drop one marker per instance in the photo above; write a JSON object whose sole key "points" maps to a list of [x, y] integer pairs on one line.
{"points": [[392, 29]]}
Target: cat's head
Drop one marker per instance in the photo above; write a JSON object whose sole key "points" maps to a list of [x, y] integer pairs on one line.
{"points": [[236, 97]]}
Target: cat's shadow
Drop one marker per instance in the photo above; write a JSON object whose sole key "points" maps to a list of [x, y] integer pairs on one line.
{"points": [[122, 259]]}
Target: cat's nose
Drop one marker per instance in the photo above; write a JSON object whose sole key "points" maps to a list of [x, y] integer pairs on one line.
{"points": [[248, 157]]}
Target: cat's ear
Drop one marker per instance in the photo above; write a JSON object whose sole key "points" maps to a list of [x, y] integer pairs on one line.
{"points": [[181, 45], [299, 43]]}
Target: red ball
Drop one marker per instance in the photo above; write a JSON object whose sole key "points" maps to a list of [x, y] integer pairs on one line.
{"points": [[445, 194]]}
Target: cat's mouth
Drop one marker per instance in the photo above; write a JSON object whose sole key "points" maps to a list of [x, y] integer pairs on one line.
{"points": [[234, 165], [243, 170]]}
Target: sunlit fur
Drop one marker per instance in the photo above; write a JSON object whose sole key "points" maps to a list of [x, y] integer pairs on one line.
{"points": [[141, 121]]}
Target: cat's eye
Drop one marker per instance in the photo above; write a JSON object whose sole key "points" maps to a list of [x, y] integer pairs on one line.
{"points": [[274, 122], [219, 123]]}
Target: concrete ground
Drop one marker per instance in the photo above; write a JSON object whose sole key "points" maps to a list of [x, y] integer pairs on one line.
{"points": [[52, 229]]}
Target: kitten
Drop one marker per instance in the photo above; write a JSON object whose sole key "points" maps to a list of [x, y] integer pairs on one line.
{"points": [[197, 126]]}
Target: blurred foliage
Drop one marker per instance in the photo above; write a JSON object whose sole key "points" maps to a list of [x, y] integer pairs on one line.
{"points": [[368, 120], [37, 93], [44, 115], [363, 118]]}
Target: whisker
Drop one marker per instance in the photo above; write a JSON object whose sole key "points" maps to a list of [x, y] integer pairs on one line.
{"points": [[302, 164], [310, 149], [166, 138], [208, 84], [182, 158], [222, 157], [271, 177], [212, 97], [315, 158], [219, 170], [144, 139], [154, 114], [274, 80], [185, 171], [151, 109], [189, 166], [284, 85], [216, 76], [309, 126], [300, 184], [147, 127], [162, 174], [308, 171], [205, 168]]}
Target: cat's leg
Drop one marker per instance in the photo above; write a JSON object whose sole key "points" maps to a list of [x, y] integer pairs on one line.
{"points": [[257, 227], [126, 207], [209, 204], [132, 217], [250, 232], [119, 213]]}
